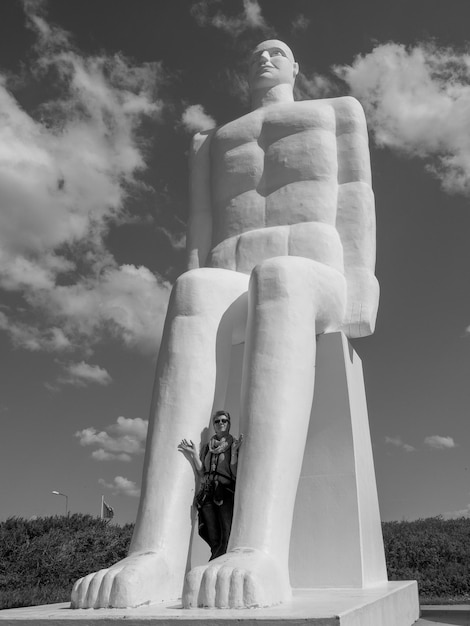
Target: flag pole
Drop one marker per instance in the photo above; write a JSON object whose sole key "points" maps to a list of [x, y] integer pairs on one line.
{"points": [[102, 507]]}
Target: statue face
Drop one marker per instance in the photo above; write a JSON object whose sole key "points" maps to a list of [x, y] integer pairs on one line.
{"points": [[272, 63]]}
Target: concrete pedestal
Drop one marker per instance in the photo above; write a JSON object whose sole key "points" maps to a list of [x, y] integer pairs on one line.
{"points": [[337, 562], [391, 604], [336, 538]]}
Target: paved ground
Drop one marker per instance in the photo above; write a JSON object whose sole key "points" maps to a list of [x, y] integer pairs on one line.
{"points": [[450, 615], [426, 622]]}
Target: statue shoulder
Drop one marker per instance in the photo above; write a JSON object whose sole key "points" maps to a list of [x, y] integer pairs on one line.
{"points": [[349, 113], [342, 103], [346, 110], [347, 103]]}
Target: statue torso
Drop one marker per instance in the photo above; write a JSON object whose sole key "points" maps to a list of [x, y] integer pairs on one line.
{"points": [[274, 184]]}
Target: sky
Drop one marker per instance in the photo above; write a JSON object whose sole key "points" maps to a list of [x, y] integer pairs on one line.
{"points": [[98, 103]]}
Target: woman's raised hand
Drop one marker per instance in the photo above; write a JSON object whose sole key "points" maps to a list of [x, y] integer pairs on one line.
{"points": [[237, 443], [187, 447]]}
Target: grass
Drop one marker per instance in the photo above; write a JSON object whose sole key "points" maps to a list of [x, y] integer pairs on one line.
{"points": [[41, 559]]}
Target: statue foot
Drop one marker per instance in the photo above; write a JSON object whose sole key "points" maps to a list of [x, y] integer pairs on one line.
{"points": [[141, 578], [242, 578]]}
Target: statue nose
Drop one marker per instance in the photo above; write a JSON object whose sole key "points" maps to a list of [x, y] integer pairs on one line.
{"points": [[265, 55]]}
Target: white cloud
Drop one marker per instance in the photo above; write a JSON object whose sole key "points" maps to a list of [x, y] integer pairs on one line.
{"points": [[195, 119], [34, 339], [65, 176], [82, 374], [439, 443], [102, 455], [398, 443], [417, 101], [316, 86], [118, 441], [121, 486], [177, 240], [253, 15], [53, 388], [207, 13], [300, 23], [128, 301], [460, 513]]}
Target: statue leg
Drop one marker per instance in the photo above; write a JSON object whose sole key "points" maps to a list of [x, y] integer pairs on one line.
{"points": [[193, 355], [291, 300]]}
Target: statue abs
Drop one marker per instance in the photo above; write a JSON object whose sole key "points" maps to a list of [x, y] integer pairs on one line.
{"points": [[275, 187]]}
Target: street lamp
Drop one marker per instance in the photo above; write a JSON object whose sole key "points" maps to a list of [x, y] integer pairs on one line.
{"points": [[57, 493]]}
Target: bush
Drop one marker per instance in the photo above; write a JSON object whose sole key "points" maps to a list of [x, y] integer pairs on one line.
{"points": [[433, 551], [41, 559]]}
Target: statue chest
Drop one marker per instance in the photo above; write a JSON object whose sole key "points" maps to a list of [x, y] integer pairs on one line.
{"points": [[273, 147]]}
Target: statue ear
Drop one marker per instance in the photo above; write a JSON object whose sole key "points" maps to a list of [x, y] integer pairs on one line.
{"points": [[296, 68]]}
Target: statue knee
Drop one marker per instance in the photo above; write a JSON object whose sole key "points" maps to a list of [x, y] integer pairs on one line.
{"points": [[205, 290], [190, 292], [317, 287], [280, 275]]}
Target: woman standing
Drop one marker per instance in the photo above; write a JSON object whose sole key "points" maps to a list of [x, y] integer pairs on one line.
{"points": [[217, 468]]}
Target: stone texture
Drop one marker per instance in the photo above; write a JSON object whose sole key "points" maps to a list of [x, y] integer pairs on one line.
{"points": [[391, 604], [336, 536]]}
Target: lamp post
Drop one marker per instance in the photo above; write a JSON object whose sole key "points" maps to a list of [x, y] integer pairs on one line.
{"points": [[57, 493]]}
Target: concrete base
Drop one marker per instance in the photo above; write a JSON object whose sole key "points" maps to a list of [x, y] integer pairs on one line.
{"points": [[336, 538], [389, 604]]}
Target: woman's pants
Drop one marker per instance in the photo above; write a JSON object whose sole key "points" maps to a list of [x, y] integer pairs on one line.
{"points": [[215, 522]]}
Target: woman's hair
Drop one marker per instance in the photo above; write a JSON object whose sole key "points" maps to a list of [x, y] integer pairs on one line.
{"points": [[226, 413]]}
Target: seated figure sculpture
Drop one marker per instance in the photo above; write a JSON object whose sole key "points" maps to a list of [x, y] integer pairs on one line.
{"points": [[281, 243]]}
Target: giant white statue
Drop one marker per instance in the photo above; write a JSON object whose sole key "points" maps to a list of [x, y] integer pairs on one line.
{"points": [[281, 243]]}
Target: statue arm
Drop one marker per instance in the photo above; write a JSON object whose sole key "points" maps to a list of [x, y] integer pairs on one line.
{"points": [[199, 232], [355, 219]]}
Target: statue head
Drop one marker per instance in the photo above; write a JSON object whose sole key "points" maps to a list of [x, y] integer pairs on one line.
{"points": [[221, 422], [272, 63]]}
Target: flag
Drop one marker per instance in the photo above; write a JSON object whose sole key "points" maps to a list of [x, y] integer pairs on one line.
{"points": [[107, 511]]}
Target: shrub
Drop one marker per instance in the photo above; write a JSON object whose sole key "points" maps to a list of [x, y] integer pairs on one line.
{"points": [[433, 551], [41, 559]]}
